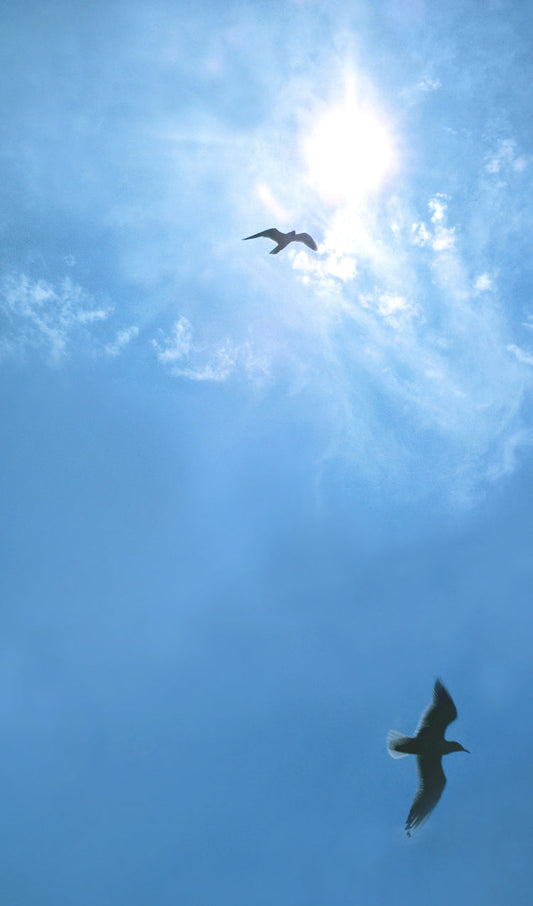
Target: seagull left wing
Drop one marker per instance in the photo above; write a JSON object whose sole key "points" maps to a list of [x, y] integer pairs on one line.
{"points": [[431, 782], [273, 233]]}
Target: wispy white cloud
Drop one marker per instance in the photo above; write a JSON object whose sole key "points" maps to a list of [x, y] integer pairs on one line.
{"points": [[483, 283], [199, 362], [44, 317], [91, 316], [122, 339], [176, 346], [437, 235], [429, 84], [188, 360], [525, 357], [505, 158]]}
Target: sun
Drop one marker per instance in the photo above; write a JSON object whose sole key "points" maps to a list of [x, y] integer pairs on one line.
{"points": [[349, 153]]}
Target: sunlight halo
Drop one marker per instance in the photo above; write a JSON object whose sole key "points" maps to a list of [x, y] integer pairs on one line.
{"points": [[349, 153]]}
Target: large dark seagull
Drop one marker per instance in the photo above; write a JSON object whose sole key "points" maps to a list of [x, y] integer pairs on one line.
{"points": [[283, 239], [429, 746]]}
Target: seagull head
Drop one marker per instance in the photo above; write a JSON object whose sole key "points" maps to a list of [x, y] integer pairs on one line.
{"points": [[456, 747]]}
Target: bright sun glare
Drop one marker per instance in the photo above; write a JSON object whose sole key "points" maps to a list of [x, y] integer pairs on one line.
{"points": [[349, 153]]}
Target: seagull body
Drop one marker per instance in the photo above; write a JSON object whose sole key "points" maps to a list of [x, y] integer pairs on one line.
{"points": [[283, 239], [429, 746]]}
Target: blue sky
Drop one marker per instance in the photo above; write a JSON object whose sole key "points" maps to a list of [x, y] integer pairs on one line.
{"points": [[253, 506]]}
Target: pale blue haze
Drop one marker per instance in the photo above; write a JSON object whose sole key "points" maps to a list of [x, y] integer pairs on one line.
{"points": [[253, 505]]}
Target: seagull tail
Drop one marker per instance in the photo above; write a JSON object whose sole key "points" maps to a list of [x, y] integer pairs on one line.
{"points": [[397, 744]]}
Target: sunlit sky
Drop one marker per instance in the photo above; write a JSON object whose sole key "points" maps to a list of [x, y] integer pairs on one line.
{"points": [[253, 505]]}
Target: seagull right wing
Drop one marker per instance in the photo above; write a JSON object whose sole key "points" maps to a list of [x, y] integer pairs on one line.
{"points": [[273, 233], [307, 240], [431, 782], [439, 713]]}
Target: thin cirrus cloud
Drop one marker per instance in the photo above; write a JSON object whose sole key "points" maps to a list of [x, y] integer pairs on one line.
{"points": [[177, 352], [185, 358], [521, 354], [429, 84], [506, 157], [483, 283], [44, 318], [122, 339]]}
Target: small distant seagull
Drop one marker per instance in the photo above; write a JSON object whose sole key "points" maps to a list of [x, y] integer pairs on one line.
{"points": [[283, 239], [429, 746]]}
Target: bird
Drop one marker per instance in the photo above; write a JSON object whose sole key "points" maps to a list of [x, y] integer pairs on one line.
{"points": [[429, 745], [283, 239]]}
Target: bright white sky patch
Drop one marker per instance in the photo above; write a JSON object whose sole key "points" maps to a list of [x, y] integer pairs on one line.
{"points": [[272, 205], [341, 266], [444, 239], [349, 153], [389, 304], [483, 283]]}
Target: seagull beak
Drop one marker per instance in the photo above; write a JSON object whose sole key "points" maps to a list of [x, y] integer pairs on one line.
{"points": [[467, 750]]}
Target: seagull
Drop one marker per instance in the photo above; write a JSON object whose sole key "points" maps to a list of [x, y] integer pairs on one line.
{"points": [[283, 239], [429, 746]]}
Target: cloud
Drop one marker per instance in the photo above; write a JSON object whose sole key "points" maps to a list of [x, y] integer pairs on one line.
{"points": [[429, 84], [505, 158], [184, 359], [525, 357], [122, 339], [437, 235], [44, 317], [90, 317], [175, 347], [483, 283]]}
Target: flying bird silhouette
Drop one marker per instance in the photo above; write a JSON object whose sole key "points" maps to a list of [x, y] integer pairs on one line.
{"points": [[429, 746], [283, 239]]}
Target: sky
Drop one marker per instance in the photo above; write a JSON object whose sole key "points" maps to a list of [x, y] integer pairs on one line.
{"points": [[253, 506]]}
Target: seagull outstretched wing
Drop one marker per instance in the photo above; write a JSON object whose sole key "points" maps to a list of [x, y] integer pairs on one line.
{"points": [[306, 239], [273, 233], [431, 782], [438, 714]]}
